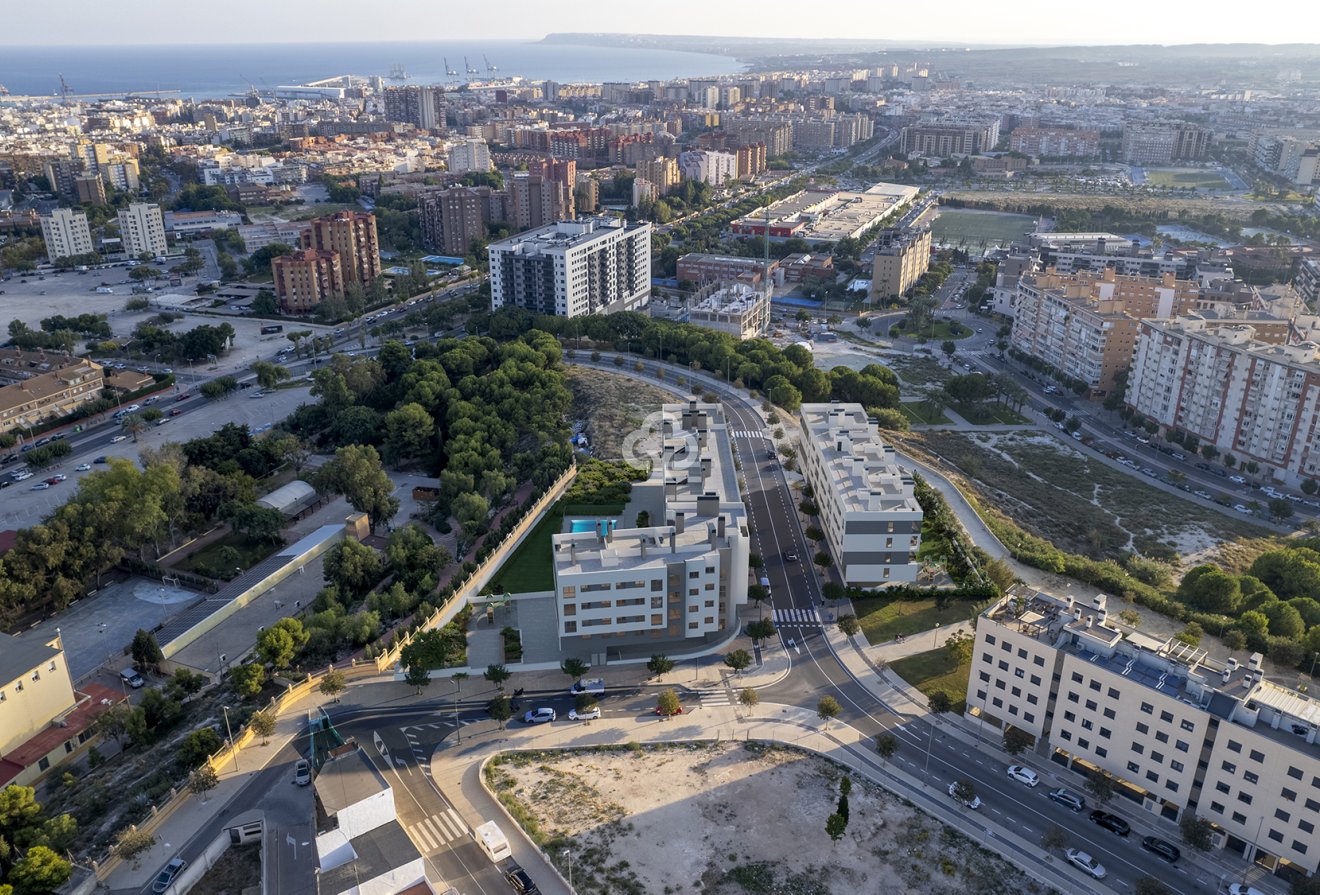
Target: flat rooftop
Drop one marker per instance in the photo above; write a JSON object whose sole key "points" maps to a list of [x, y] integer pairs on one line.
{"points": [[863, 469], [565, 235], [346, 780]]}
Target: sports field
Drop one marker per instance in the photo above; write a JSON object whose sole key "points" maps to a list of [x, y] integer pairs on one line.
{"points": [[1181, 178], [962, 226]]}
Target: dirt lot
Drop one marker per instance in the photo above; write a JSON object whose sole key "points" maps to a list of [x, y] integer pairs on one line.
{"points": [[730, 819], [1082, 505], [611, 406], [237, 870]]}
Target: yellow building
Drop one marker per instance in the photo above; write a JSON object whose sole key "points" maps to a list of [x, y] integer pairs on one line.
{"points": [[900, 260], [49, 395]]}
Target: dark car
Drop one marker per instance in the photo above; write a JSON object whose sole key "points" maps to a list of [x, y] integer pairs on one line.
{"points": [[521, 882], [1111, 822], [99, 460], [1166, 850]]}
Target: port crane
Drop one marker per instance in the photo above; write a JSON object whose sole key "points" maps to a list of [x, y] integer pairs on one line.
{"points": [[449, 72], [65, 90], [468, 66], [490, 69], [398, 72]]}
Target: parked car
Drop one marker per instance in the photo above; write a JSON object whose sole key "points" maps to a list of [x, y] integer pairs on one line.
{"points": [[1023, 775], [41, 486], [539, 716], [1243, 889], [166, 877], [521, 882], [1111, 822], [1237, 478], [1068, 799], [1166, 850], [302, 772], [1084, 862], [118, 438], [83, 467], [101, 459], [973, 804], [590, 714]]}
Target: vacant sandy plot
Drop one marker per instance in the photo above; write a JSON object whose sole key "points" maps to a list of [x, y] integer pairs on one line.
{"points": [[610, 406], [730, 819]]}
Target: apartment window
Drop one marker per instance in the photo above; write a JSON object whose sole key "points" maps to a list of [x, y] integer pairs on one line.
{"points": [[1104, 732], [1157, 757], [1217, 808], [1109, 713], [1188, 726], [1306, 826], [1029, 717], [692, 626], [1280, 814], [1065, 735], [1244, 798], [1256, 755], [1032, 700], [1288, 795], [980, 694], [1022, 654], [1090, 705], [1138, 749], [694, 574], [1142, 728], [999, 685], [984, 676], [1181, 745], [1166, 717], [1076, 678], [1234, 746], [1072, 697], [1176, 766], [1295, 773], [1250, 777], [1095, 685], [1018, 672], [985, 657], [1003, 666], [1147, 708], [1035, 680], [1299, 847], [990, 639], [1038, 660], [1239, 817], [1152, 777], [1229, 767], [1170, 786], [1101, 751], [1276, 835], [1312, 805], [1133, 767], [1161, 737], [1088, 724], [1017, 691], [1069, 716], [43, 764], [997, 702], [1083, 743], [1223, 787]]}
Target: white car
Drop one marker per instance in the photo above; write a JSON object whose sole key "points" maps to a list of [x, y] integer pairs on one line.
{"points": [[1082, 861], [83, 467], [590, 714], [132, 407], [973, 804], [1023, 775], [1243, 889], [539, 716], [118, 438]]}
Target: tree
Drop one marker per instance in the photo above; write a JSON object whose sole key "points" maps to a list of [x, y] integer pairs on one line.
{"points": [[263, 725], [145, 650], [19, 810], [1016, 740], [827, 709], [257, 522], [131, 842], [948, 347], [849, 624], [738, 660], [748, 697], [1280, 508], [1101, 786], [248, 679], [333, 683], [1210, 589], [356, 473], [500, 709], [497, 675], [1196, 831], [761, 629], [574, 668], [417, 677], [667, 704], [1053, 838], [409, 432], [269, 375], [886, 744], [352, 566], [835, 825], [198, 746], [113, 723], [659, 666], [823, 559], [964, 791], [39, 871], [1310, 486], [959, 646], [939, 703], [203, 780], [758, 594], [278, 644]]}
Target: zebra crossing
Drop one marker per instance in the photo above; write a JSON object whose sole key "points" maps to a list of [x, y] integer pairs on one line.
{"points": [[748, 433], [438, 830], [714, 697], [799, 617]]}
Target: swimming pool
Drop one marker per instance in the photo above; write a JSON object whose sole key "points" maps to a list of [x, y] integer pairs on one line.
{"points": [[600, 526]]}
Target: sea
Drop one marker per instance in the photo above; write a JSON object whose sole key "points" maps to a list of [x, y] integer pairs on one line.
{"points": [[208, 71]]}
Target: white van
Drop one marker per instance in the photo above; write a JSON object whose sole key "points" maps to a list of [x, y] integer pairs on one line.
{"points": [[593, 685], [132, 678], [493, 841]]}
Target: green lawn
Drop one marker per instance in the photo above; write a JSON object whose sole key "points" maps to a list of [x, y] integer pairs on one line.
{"points": [[941, 331], [936, 670], [882, 618], [966, 226], [920, 412], [250, 553], [530, 568], [1184, 177]]}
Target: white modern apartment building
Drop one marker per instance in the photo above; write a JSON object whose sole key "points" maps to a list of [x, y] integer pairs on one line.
{"points": [[1176, 730], [738, 309], [469, 155], [678, 579], [142, 227], [66, 233], [1255, 400], [589, 266], [868, 508], [715, 168]]}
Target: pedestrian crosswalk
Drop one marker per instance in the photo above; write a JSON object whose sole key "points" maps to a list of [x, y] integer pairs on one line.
{"points": [[801, 617], [438, 830], [748, 433], [714, 697]]}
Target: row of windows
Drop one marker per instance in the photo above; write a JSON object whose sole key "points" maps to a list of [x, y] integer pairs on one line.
{"points": [[1241, 820]]}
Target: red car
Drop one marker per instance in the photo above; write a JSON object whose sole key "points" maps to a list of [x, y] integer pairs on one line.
{"points": [[55, 479], [176, 411], [679, 712]]}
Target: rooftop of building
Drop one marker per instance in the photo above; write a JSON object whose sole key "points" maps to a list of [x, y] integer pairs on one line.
{"points": [[373, 854], [826, 214], [93, 700], [731, 298], [566, 234], [1303, 356], [20, 655], [19, 363], [730, 260], [863, 470], [346, 780], [696, 473], [45, 385]]}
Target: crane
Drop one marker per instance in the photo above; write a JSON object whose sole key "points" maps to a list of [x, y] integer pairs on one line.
{"points": [[398, 72], [4, 91], [489, 68], [65, 90], [468, 66], [449, 72]]}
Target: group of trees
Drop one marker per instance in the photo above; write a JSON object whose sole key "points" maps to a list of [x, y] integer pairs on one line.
{"points": [[58, 333], [195, 344], [31, 844]]}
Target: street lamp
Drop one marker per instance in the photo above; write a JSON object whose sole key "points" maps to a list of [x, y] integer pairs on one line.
{"points": [[567, 855], [230, 731]]}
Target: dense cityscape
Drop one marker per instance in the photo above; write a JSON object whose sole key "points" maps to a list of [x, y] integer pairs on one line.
{"points": [[476, 481]]}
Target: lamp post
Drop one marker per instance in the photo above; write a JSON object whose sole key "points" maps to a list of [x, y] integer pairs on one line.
{"points": [[567, 855], [229, 730]]}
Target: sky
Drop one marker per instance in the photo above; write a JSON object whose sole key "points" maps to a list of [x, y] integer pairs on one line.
{"points": [[1024, 22]]}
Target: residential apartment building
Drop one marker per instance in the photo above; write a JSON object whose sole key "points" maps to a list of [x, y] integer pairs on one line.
{"points": [[570, 268], [1055, 142], [416, 104], [751, 159], [944, 139], [352, 236], [306, 278], [699, 268], [67, 234], [1176, 730], [44, 722], [662, 172], [901, 257], [258, 236], [49, 395], [715, 168], [563, 172], [469, 155], [1086, 324], [453, 219], [142, 228], [1219, 381], [1149, 143], [1307, 281], [741, 310], [868, 508], [678, 580], [537, 201]]}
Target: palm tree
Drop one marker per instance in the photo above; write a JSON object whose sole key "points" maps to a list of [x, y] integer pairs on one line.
{"points": [[133, 425]]}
